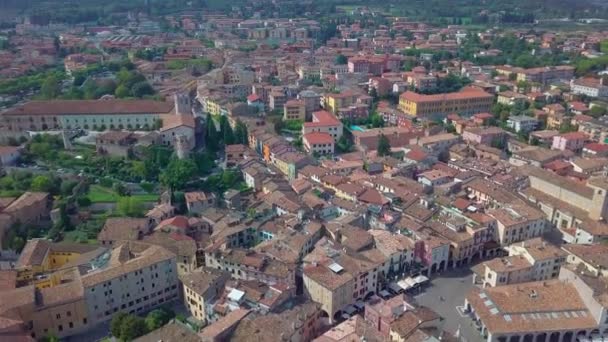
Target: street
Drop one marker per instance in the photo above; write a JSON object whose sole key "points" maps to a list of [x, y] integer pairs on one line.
{"points": [[452, 286]]}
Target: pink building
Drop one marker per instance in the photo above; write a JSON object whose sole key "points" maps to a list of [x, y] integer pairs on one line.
{"points": [[483, 135], [573, 141], [381, 313]]}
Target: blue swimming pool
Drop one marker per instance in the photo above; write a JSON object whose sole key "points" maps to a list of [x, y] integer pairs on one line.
{"points": [[357, 128]]}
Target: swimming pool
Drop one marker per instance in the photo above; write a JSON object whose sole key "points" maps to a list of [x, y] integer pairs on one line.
{"points": [[357, 128]]}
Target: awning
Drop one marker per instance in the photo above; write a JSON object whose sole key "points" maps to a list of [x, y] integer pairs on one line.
{"points": [[394, 287], [404, 284], [350, 310], [421, 279]]}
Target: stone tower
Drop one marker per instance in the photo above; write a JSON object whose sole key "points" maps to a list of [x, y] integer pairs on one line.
{"points": [[67, 143], [182, 146], [183, 104]]}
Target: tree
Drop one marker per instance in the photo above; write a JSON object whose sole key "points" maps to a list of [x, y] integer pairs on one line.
{"points": [[226, 129], [158, 317], [132, 327], [211, 135], [141, 89], [597, 111], [384, 146], [341, 59], [116, 323], [42, 184], [130, 207], [376, 120], [50, 88], [122, 91], [178, 173], [240, 133]]}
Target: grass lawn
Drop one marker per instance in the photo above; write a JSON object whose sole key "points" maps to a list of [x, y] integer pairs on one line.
{"points": [[100, 194], [78, 236]]}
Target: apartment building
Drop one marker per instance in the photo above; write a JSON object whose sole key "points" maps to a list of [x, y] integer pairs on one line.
{"points": [[546, 75], [336, 279], [250, 265], [532, 260], [134, 277], [569, 204], [466, 102], [335, 102], [517, 222], [90, 288], [319, 143], [589, 87], [294, 110], [200, 287], [324, 122]]}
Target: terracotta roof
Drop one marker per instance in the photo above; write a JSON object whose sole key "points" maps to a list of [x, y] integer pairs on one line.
{"points": [[201, 279], [467, 93], [174, 121], [122, 228], [318, 138], [78, 107], [33, 253]]}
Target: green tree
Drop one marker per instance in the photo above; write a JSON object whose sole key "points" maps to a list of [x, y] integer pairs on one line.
{"points": [[130, 207], [341, 59], [132, 327], [116, 323], [211, 135], [227, 132], [158, 317], [178, 173], [50, 88], [141, 89], [376, 120], [122, 91], [240, 133], [42, 184], [597, 111], [384, 146]]}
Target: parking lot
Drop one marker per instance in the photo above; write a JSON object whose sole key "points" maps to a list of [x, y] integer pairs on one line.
{"points": [[444, 295]]}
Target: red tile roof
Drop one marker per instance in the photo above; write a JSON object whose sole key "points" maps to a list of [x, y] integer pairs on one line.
{"points": [[78, 107], [318, 138]]}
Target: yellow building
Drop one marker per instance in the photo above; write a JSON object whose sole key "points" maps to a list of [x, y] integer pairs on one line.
{"points": [[40, 256], [294, 110], [333, 102], [201, 286], [467, 102]]}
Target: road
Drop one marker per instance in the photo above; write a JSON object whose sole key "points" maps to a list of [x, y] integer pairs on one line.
{"points": [[452, 286]]}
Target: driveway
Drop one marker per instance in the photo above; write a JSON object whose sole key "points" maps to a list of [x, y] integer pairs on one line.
{"points": [[444, 295]]}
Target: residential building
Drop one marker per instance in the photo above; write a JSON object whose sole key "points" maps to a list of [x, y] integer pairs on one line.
{"points": [[531, 260], [200, 287], [324, 122], [198, 201], [522, 123], [319, 143], [517, 222], [589, 87], [573, 141], [484, 135], [294, 110]]}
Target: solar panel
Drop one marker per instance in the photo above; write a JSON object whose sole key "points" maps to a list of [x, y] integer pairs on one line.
{"points": [[523, 316], [488, 303], [483, 295], [554, 314], [567, 314], [574, 314], [493, 311], [548, 315], [583, 313], [507, 318]]}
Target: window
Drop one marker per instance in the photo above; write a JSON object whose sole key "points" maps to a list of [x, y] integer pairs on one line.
{"points": [[58, 316], [84, 320], [71, 325], [69, 313], [60, 327]]}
